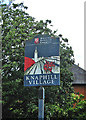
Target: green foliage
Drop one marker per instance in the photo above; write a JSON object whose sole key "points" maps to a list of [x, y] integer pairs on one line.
{"points": [[20, 101], [69, 113]]}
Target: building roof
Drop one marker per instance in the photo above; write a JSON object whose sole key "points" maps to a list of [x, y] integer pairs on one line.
{"points": [[79, 74]]}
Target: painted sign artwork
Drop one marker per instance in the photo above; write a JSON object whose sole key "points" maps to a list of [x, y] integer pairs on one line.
{"points": [[42, 61]]}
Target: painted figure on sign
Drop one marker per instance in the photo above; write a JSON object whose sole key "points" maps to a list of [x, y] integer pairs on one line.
{"points": [[41, 65]]}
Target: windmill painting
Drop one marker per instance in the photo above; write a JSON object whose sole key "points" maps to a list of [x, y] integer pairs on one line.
{"points": [[42, 61]]}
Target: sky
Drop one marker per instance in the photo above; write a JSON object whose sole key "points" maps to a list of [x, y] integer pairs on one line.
{"points": [[67, 17]]}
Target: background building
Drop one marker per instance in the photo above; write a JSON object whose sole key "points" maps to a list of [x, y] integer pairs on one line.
{"points": [[79, 82]]}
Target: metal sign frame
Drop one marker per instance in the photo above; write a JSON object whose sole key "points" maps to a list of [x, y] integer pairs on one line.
{"points": [[42, 61]]}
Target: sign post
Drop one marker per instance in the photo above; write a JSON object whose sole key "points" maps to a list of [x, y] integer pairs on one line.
{"points": [[41, 103], [42, 65]]}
